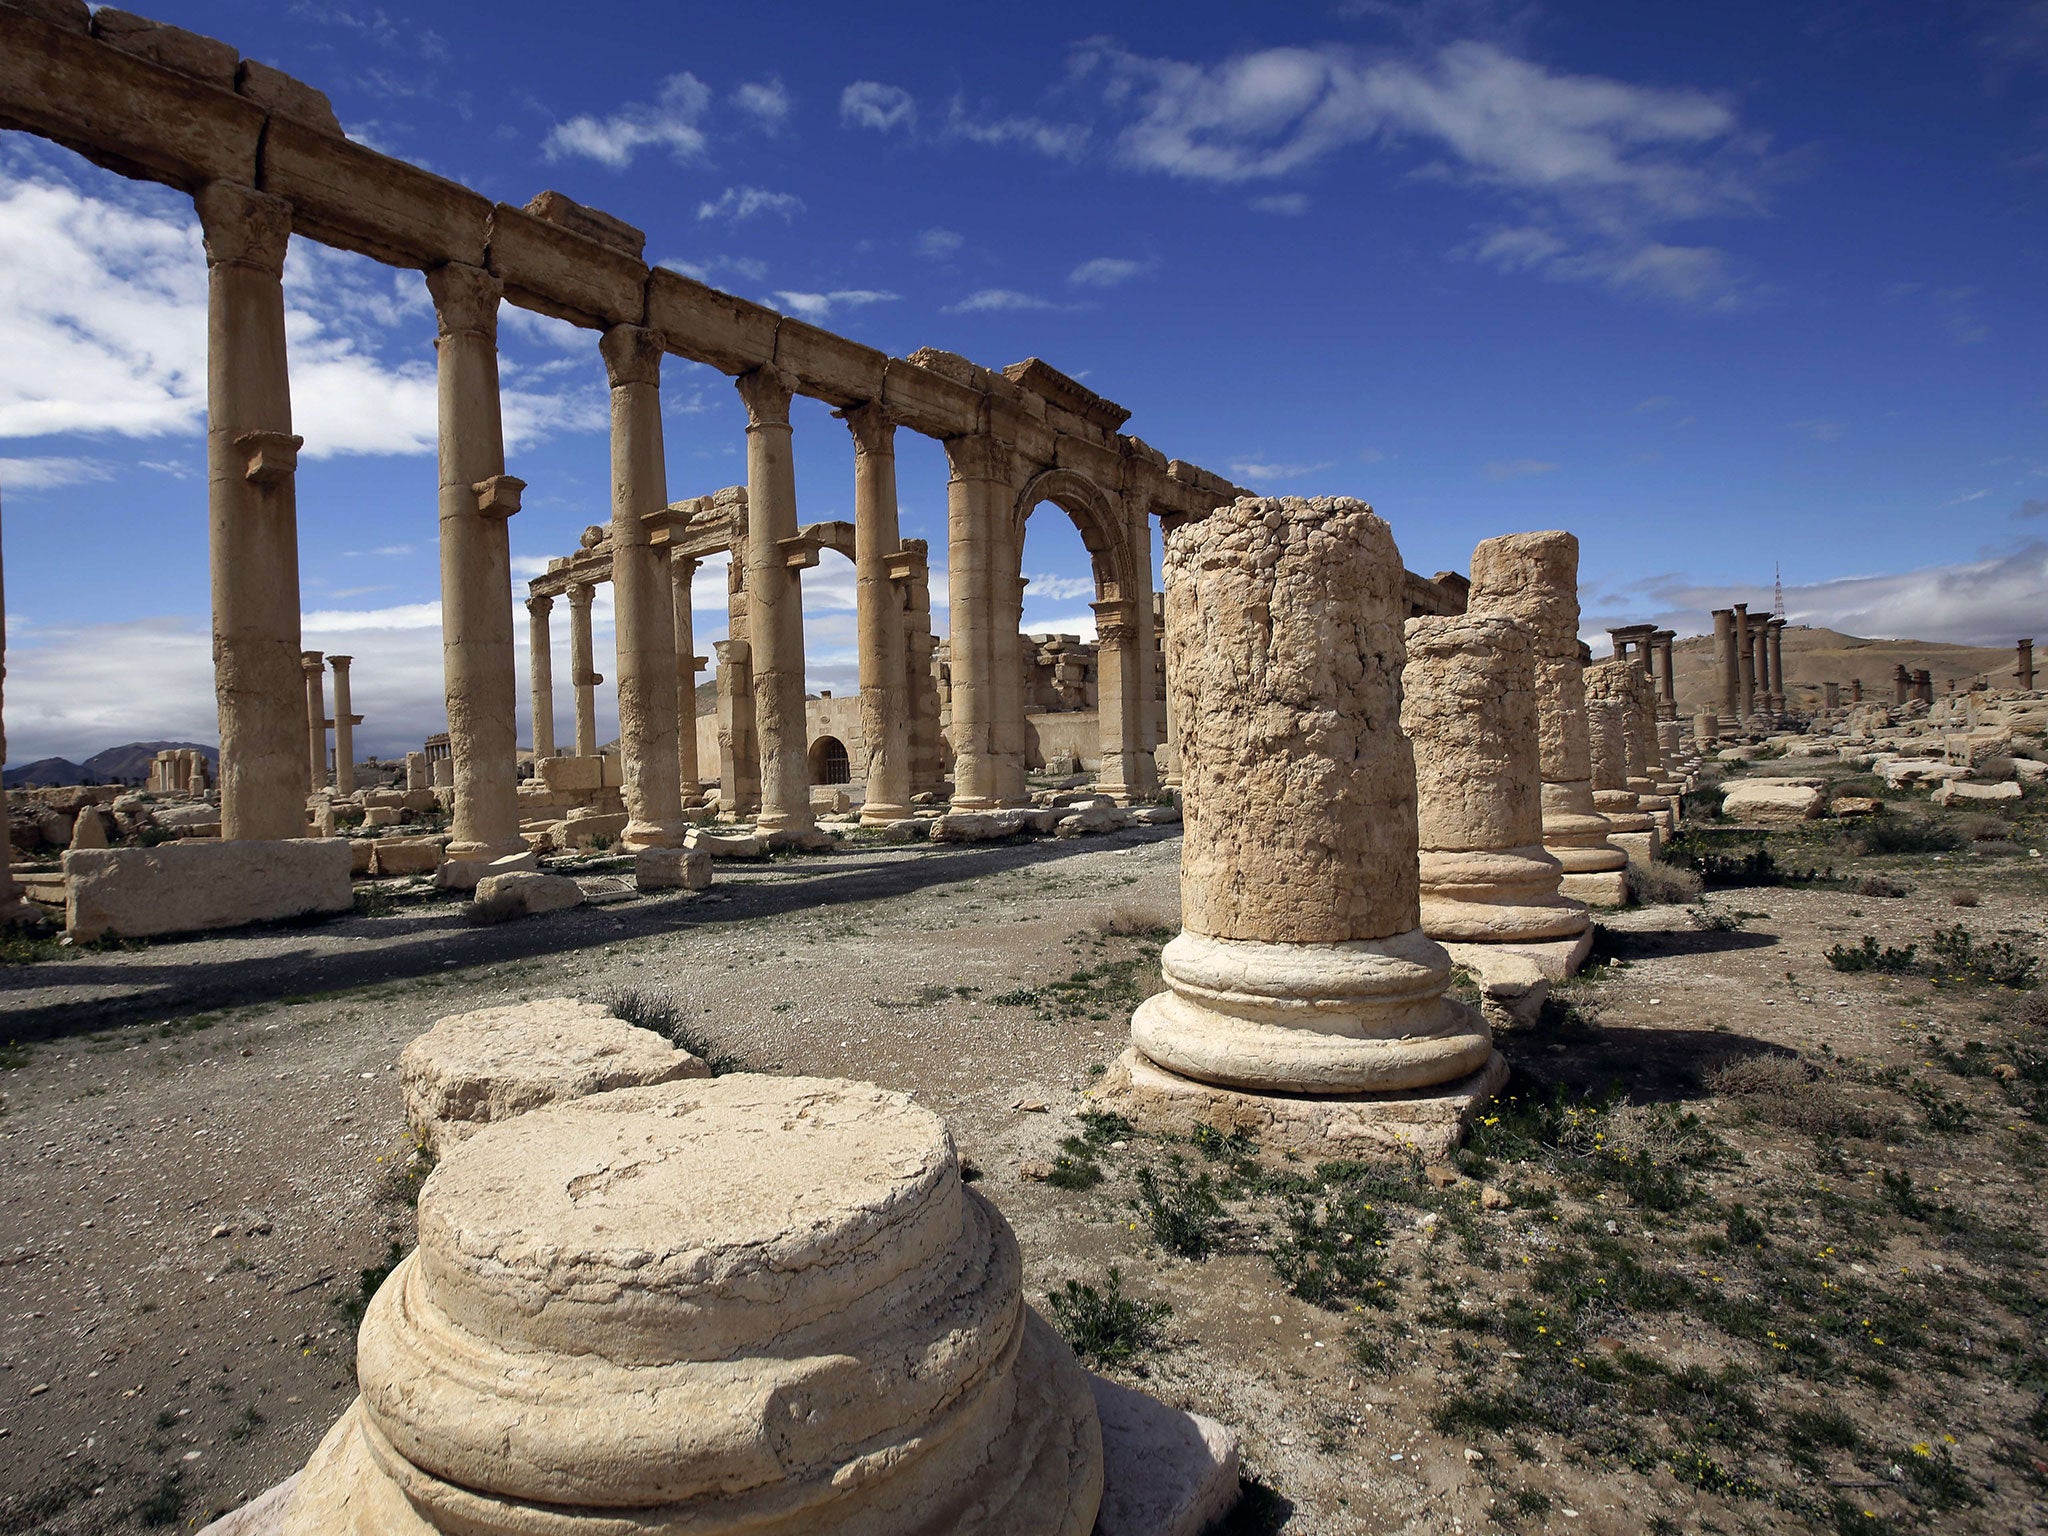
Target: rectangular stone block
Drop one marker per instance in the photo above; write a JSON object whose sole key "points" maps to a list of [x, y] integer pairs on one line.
{"points": [[189, 53], [584, 831], [832, 368], [349, 196], [572, 775], [188, 887], [928, 402], [558, 272], [407, 855], [728, 333]]}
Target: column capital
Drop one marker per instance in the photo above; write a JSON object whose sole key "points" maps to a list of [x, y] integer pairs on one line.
{"points": [[465, 299], [243, 227], [499, 495], [540, 607], [981, 457], [1112, 622], [766, 391], [632, 355], [340, 663], [873, 428], [309, 662], [682, 567], [579, 595]]}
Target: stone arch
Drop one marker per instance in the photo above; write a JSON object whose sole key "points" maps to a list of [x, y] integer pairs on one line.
{"points": [[1097, 516], [830, 762]]}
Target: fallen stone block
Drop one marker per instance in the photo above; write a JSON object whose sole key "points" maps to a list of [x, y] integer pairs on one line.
{"points": [[527, 893], [468, 874], [1097, 818], [726, 845], [1958, 791], [1156, 815], [1854, 805], [1778, 803], [672, 869], [475, 1069], [189, 887], [1164, 1472], [406, 855]]}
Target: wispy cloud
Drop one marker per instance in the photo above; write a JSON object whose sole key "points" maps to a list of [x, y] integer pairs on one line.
{"points": [[1820, 431], [746, 267], [984, 300], [670, 122], [765, 102], [49, 473], [1059, 589], [1517, 469], [742, 203], [1966, 498], [872, 104], [1056, 141], [1109, 271], [1263, 469], [817, 306], [938, 244]]}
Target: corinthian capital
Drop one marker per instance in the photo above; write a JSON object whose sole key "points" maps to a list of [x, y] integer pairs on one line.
{"points": [[766, 391], [873, 429], [465, 299], [632, 355], [981, 457], [243, 227]]}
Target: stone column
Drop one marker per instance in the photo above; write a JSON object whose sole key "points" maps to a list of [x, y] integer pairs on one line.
{"points": [[739, 759], [1726, 664], [927, 761], [978, 495], [1119, 699], [1706, 729], [1141, 701], [314, 668], [583, 680], [2024, 671], [1533, 578], [1302, 986], [1760, 662], [1615, 756], [1775, 635], [478, 500], [1745, 665], [775, 611], [1490, 892], [345, 723], [540, 673], [1831, 695], [884, 679], [682, 570], [1665, 665], [14, 906], [252, 516], [1010, 732]]}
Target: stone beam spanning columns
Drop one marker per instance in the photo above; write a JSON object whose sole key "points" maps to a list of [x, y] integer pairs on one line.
{"points": [[252, 516], [583, 679], [644, 594], [345, 724], [682, 571], [477, 501], [541, 674], [1533, 578], [775, 612], [978, 494], [314, 667], [879, 616]]}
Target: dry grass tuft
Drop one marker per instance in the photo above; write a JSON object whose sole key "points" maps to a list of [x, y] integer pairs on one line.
{"points": [[1140, 920], [1788, 1091], [1663, 884]]}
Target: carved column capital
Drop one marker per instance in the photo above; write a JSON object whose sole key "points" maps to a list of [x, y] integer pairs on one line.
{"points": [[310, 663], [465, 299], [682, 568], [540, 607], [873, 428], [981, 457], [243, 227], [632, 355], [766, 392], [340, 663], [579, 595]]}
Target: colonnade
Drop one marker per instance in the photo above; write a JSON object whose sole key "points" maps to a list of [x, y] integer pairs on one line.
{"points": [[1749, 652]]}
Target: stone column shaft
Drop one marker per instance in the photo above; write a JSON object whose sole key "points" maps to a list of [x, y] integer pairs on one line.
{"points": [[2024, 670], [681, 571], [643, 594], [477, 501], [879, 616], [1745, 664], [1009, 733], [977, 497], [540, 653], [1775, 635], [314, 667], [582, 678], [252, 516], [775, 613], [1667, 675], [344, 728], [1725, 662], [14, 907]]}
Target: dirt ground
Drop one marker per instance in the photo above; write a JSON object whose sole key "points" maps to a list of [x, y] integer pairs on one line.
{"points": [[1790, 1279]]}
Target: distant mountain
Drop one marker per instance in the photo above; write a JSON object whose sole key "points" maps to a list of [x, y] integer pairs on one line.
{"points": [[116, 765]]}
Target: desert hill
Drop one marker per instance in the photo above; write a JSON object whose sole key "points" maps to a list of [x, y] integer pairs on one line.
{"points": [[1817, 656], [126, 764]]}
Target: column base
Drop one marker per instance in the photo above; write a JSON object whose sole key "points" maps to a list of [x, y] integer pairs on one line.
{"points": [[1515, 979], [880, 814], [807, 839], [1640, 846], [653, 834], [1426, 1122]]}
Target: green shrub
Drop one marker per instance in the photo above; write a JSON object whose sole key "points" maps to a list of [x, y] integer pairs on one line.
{"points": [[1182, 1210], [1106, 1327], [1868, 957], [1903, 834]]}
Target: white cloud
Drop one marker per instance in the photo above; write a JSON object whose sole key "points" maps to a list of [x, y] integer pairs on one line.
{"points": [[884, 108], [1059, 589], [815, 307], [990, 299], [50, 473], [938, 243], [349, 621], [1820, 431], [741, 203], [765, 101], [1290, 205], [1517, 469], [671, 122], [1108, 271], [1056, 141], [1254, 469]]}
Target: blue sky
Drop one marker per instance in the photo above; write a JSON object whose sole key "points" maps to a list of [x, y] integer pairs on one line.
{"points": [[1761, 283]]}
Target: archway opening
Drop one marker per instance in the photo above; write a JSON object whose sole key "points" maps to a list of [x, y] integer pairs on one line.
{"points": [[829, 762]]}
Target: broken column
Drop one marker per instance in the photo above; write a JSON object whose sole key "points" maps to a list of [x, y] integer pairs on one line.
{"points": [[1533, 578], [743, 1304], [1611, 754], [582, 678], [1774, 630], [541, 674], [314, 667], [1306, 1005], [2024, 671], [345, 724], [884, 681], [1489, 891]]}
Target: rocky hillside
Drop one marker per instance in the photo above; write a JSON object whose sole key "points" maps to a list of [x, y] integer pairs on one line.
{"points": [[1817, 656], [116, 765]]}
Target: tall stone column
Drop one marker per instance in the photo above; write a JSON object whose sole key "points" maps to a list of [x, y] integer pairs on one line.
{"points": [[1147, 713], [314, 668], [2024, 670], [583, 678], [927, 760], [1490, 892], [1775, 634], [1010, 732], [345, 723], [1533, 578], [1302, 987], [643, 594], [1760, 663], [1119, 699], [252, 516], [540, 675], [1726, 663], [775, 611], [478, 500], [1615, 758], [878, 621], [1667, 674], [681, 572], [1745, 665], [739, 755], [14, 906], [977, 506]]}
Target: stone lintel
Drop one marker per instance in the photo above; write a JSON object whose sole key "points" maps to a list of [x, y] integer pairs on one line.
{"points": [[591, 223], [555, 271], [347, 195], [843, 373]]}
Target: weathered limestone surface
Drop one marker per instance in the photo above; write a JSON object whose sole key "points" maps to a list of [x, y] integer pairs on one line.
{"points": [[187, 887], [529, 892], [1302, 970], [475, 1069], [750, 1304], [1533, 578], [672, 869], [1775, 802]]}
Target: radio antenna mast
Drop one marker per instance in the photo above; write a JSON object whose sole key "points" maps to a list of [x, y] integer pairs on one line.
{"points": [[1778, 577]]}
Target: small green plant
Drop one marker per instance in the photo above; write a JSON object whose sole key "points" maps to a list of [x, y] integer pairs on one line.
{"points": [[1956, 956], [661, 1013], [1903, 834], [1106, 1327], [166, 1502], [1867, 956], [1181, 1209], [1333, 1249]]}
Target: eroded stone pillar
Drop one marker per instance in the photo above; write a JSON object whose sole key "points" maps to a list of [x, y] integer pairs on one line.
{"points": [[879, 617], [314, 668], [1533, 578], [1665, 667], [540, 674], [775, 612], [1302, 985], [978, 496], [252, 516], [2023, 672], [1468, 706], [1745, 665], [1760, 663], [345, 724], [643, 594], [682, 571], [1615, 758], [583, 678], [1726, 664], [739, 759], [1120, 688], [927, 758], [1775, 641], [477, 502], [1010, 732]]}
